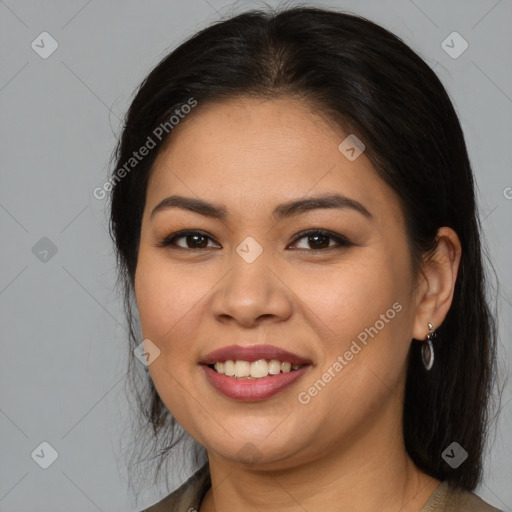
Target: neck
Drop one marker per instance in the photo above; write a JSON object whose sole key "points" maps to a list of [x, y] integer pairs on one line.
{"points": [[368, 471], [366, 488]]}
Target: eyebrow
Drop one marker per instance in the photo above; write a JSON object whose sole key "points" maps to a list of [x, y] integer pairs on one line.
{"points": [[282, 211]]}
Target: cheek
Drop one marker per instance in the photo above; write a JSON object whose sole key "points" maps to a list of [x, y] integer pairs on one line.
{"points": [[172, 301], [353, 295], [364, 354], [168, 301], [165, 294], [365, 306]]}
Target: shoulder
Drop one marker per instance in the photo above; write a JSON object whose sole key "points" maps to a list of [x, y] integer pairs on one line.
{"points": [[187, 497], [453, 499]]}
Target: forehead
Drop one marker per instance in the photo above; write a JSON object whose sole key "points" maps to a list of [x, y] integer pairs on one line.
{"points": [[241, 126], [266, 151]]}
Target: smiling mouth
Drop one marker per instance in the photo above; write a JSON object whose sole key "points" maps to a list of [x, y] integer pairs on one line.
{"points": [[259, 369]]}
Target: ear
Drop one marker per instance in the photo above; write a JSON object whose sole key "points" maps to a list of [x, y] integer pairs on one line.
{"points": [[437, 283]]}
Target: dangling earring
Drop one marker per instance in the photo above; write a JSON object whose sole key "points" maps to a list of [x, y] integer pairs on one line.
{"points": [[427, 349]]}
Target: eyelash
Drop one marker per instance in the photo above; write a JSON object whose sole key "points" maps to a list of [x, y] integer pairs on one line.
{"points": [[168, 242]]}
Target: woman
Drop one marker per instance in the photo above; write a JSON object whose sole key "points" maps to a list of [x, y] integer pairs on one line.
{"points": [[293, 210]]}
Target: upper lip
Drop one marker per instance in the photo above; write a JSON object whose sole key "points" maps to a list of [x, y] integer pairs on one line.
{"points": [[253, 353]]}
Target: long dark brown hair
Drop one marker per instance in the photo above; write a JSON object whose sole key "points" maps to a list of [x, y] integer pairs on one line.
{"points": [[370, 83]]}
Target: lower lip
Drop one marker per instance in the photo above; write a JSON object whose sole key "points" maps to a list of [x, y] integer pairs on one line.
{"points": [[252, 389]]}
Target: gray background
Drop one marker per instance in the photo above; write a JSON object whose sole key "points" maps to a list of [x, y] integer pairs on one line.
{"points": [[63, 360]]}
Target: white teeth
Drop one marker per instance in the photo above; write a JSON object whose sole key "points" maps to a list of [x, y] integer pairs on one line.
{"points": [[242, 369], [259, 369], [229, 368], [274, 367], [255, 370], [286, 367]]}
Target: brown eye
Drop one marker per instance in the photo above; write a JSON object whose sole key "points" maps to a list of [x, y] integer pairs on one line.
{"points": [[196, 241], [319, 240], [316, 240], [192, 240]]}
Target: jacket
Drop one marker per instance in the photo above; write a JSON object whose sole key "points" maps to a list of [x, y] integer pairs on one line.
{"points": [[188, 497]]}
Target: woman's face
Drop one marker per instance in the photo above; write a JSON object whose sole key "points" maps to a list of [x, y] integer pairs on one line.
{"points": [[345, 308]]}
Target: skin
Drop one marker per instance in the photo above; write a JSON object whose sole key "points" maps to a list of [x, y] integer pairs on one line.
{"points": [[344, 449]]}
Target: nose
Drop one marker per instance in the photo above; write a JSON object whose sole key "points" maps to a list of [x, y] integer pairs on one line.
{"points": [[251, 293]]}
